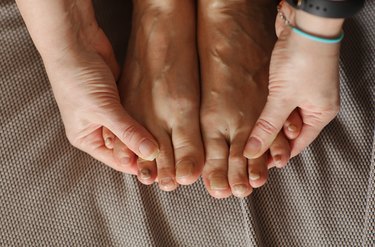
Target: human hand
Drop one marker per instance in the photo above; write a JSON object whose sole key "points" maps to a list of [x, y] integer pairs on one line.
{"points": [[304, 76], [82, 69]]}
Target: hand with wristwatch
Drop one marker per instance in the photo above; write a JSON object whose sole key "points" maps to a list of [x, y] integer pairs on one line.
{"points": [[304, 71]]}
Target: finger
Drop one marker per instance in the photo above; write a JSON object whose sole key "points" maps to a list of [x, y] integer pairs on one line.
{"points": [[267, 128], [280, 151], [108, 137], [124, 155], [107, 157], [293, 125], [307, 136], [132, 134]]}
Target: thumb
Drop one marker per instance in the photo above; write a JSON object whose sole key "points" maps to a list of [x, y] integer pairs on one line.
{"points": [[269, 124], [132, 134]]}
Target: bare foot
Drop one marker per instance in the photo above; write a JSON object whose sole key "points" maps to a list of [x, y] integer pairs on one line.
{"points": [[160, 89], [235, 44]]}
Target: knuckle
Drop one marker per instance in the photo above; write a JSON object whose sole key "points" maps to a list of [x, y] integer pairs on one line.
{"points": [[266, 126], [183, 145], [237, 161]]}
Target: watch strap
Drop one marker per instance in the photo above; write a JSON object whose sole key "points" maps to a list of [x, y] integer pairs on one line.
{"points": [[329, 8]]}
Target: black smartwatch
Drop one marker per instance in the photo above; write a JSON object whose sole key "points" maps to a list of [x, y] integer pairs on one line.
{"points": [[329, 8]]}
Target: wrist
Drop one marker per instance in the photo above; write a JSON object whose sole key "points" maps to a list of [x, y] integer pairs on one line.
{"points": [[319, 26], [58, 27]]}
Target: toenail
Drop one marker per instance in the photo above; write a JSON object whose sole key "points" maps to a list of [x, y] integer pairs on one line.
{"points": [[149, 150], [252, 147], [254, 176], [144, 174], [218, 183], [184, 169], [240, 189], [166, 182], [292, 128], [125, 160]]}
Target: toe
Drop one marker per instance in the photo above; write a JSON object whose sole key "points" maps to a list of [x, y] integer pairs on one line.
{"points": [[108, 137], [188, 153], [280, 151], [146, 171], [237, 170], [165, 164], [258, 172], [123, 155], [293, 125], [215, 171]]}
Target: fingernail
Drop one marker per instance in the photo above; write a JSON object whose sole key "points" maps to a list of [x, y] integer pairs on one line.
{"points": [[240, 189], [218, 183], [252, 148], [292, 128], [144, 174], [166, 183], [125, 160], [254, 176], [184, 169], [108, 142], [149, 150]]}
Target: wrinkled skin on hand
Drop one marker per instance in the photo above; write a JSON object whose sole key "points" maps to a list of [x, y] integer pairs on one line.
{"points": [[83, 71], [304, 76]]}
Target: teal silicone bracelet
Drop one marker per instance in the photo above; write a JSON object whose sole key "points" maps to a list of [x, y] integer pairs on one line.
{"points": [[307, 35], [316, 38]]}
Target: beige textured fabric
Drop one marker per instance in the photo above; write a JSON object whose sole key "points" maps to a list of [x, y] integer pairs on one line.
{"points": [[54, 195]]}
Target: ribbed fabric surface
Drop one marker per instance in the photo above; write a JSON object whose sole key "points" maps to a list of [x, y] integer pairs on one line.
{"points": [[54, 195]]}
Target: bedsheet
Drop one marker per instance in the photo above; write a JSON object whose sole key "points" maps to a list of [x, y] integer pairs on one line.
{"points": [[54, 195]]}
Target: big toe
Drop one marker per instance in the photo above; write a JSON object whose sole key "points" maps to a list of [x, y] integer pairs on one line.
{"points": [[215, 171], [188, 151]]}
